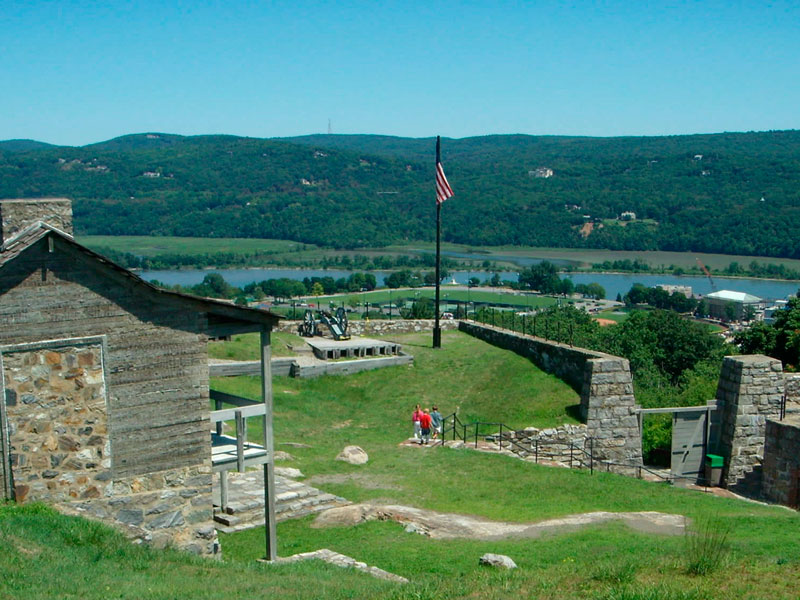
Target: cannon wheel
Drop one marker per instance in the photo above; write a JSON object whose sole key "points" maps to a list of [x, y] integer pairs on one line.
{"points": [[307, 326], [341, 316]]}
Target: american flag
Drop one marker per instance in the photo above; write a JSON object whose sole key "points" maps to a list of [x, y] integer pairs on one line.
{"points": [[443, 189]]}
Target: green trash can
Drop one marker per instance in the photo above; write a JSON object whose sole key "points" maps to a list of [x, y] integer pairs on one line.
{"points": [[713, 471]]}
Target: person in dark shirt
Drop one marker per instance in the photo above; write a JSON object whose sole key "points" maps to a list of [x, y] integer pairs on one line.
{"points": [[436, 422]]}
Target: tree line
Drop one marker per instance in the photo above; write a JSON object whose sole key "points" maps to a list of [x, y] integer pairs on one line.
{"points": [[721, 193]]}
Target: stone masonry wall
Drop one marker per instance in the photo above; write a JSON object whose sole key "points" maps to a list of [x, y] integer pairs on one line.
{"points": [[791, 388], [58, 430], [378, 326], [561, 445], [60, 453], [605, 384], [749, 392], [781, 476], [16, 215], [610, 410]]}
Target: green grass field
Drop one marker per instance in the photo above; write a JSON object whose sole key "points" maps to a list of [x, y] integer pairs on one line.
{"points": [[49, 556], [151, 246], [447, 294]]}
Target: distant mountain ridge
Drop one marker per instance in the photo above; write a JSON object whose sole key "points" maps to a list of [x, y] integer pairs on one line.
{"points": [[22, 145], [729, 193]]}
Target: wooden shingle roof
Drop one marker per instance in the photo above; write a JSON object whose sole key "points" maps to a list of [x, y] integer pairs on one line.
{"points": [[219, 312]]}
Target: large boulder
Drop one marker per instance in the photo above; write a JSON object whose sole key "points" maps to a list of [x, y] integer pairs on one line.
{"points": [[497, 560], [353, 455], [288, 472]]}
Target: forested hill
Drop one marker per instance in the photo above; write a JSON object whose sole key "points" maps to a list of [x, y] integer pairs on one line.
{"points": [[730, 193]]}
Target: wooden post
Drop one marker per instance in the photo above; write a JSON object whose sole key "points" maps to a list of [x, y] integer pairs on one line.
{"points": [[241, 434], [269, 444], [223, 490]]}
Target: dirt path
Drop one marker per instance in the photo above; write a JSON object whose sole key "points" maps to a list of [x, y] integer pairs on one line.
{"points": [[452, 526]]}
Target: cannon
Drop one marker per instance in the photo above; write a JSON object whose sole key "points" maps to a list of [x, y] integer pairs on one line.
{"points": [[337, 324]]}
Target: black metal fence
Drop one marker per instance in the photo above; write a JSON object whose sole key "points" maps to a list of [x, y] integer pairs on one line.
{"points": [[580, 457]]}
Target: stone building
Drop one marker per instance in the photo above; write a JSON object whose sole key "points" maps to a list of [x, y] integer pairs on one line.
{"points": [[106, 388]]}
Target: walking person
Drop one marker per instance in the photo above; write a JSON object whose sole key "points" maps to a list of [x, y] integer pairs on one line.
{"points": [[425, 427], [415, 417], [436, 422]]}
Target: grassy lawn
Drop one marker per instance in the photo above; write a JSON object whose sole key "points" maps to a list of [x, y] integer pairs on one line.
{"points": [[48, 556], [461, 294], [503, 256], [248, 346], [153, 246]]}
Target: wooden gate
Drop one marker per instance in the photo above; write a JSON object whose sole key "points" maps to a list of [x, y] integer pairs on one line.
{"points": [[689, 441], [690, 437]]}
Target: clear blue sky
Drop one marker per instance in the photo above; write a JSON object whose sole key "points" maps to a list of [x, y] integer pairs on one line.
{"points": [[85, 71]]}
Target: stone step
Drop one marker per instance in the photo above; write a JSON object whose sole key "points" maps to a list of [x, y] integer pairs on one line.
{"points": [[245, 509]]}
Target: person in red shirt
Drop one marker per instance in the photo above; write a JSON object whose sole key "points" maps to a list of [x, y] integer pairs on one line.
{"points": [[415, 417], [425, 427]]}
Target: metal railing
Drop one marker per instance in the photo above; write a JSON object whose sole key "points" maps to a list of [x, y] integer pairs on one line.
{"points": [[541, 326], [579, 457]]}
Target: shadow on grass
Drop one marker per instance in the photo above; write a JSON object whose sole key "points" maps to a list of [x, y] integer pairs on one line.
{"points": [[574, 411]]}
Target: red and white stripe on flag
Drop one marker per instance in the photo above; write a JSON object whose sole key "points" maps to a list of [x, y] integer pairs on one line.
{"points": [[443, 189]]}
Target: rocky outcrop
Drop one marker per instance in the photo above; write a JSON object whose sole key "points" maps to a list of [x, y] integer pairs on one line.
{"points": [[453, 526]]}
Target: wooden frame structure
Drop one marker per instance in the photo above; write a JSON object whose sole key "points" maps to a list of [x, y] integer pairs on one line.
{"points": [[236, 452]]}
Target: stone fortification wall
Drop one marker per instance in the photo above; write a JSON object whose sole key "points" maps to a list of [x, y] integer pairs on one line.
{"points": [[562, 445], [791, 388], [16, 215], [749, 392], [565, 362], [604, 382], [781, 474], [609, 407], [377, 326]]}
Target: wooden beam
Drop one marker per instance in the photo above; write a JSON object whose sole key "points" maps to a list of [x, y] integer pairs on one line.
{"points": [[269, 444]]}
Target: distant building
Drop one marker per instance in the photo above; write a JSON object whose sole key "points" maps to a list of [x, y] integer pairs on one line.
{"points": [[769, 311], [686, 290], [718, 302], [628, 215], [541, 172]]}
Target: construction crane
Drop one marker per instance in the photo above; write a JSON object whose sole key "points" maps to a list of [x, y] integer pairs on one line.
{"points": [[708, 274]]}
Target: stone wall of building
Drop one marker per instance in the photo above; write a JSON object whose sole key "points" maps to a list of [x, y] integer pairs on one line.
{"points": [[17, 215], [168, 508], [60, 452], [604, 382], [56, 422], [378, 326], [781, 473], [749, 392]]}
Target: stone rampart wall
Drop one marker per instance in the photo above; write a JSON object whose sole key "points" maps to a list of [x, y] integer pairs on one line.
{"points": [[565, 362], [781, 474], [791, 388], [604, 382], [378, 326], [749, 392], [562, 445]]}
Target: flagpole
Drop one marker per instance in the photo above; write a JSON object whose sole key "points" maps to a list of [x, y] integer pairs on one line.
{"points": [[437, 332]]}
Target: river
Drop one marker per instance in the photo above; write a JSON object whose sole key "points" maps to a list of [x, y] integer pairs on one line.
{"points": [[614, 283]]}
